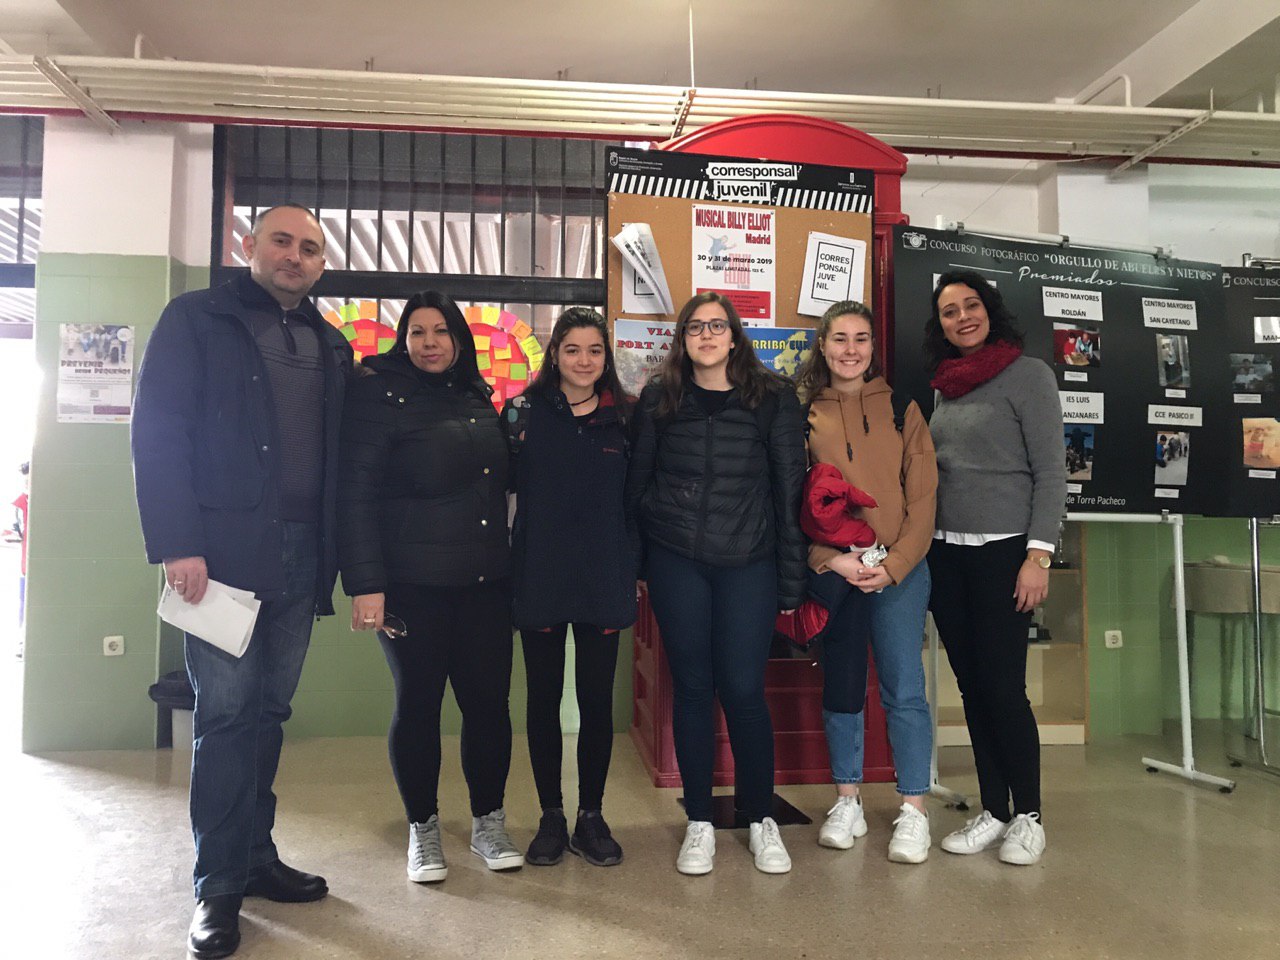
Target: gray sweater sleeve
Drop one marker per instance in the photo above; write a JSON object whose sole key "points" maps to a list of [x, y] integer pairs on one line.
{"points": [[1039, 411]]}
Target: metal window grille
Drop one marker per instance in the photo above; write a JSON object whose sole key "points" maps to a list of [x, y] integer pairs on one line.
{"points": [[513, 221], [21, 165]]}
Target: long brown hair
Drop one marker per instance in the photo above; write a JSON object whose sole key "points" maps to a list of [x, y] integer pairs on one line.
{"points": [[814, 374], [744, 369]]}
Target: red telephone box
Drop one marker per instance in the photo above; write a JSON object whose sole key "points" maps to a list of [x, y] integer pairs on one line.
{"points": [[793, 686]]}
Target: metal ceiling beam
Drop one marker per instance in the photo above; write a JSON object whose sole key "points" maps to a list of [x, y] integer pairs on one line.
{"points": [[120, 89]]}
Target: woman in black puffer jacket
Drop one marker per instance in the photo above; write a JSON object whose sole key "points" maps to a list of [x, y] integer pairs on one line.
{"points": [[716, 472], [422, 543]]}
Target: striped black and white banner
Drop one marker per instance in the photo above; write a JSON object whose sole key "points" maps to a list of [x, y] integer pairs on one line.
{"points": [[690, 189]]}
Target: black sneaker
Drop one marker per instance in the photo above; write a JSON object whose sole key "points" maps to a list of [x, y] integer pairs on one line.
{"points": [[593, 842], [547, 848]]}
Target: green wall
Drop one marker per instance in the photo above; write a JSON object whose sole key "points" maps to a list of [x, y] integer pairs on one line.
{"points": [[1129, 586], [88, 576]]}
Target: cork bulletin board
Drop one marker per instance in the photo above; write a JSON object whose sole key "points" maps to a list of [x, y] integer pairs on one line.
{"points": [[663, 189]]}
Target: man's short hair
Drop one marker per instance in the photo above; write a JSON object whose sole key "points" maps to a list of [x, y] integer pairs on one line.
{"points": [[262, 216]]}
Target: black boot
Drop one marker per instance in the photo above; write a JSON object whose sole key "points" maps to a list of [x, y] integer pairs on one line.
{"points": [[592, 840], [549, 845], [215, 928], [282, 883]]}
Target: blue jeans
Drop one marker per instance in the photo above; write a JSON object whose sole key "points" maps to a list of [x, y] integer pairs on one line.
{"points": [[240, 708], [895, 621], [717, 625]]}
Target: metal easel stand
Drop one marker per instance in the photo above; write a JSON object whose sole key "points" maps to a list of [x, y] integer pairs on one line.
{"points": [[1187, 769], [951, 798], [1259, 732]]}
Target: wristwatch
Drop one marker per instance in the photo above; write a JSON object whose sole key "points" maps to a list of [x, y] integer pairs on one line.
{"points": [[1044, 563]]}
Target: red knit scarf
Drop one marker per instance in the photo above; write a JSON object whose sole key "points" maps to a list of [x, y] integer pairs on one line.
{"points": [[956, 376]]}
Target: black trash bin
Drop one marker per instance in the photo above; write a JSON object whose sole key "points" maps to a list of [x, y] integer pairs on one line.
{"points": [[171, 692]]}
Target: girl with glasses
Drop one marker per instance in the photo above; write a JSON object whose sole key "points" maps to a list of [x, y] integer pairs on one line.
{"points": [[716, 472]]}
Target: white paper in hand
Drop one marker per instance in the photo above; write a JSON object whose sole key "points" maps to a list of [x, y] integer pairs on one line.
{"points": [[224, 618]]}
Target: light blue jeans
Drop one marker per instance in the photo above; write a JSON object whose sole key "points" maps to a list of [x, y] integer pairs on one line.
{"points": [[895, 620]]}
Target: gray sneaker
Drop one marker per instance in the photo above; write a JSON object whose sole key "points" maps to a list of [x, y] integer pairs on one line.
{"points": [[426, 855], [492, 844]]}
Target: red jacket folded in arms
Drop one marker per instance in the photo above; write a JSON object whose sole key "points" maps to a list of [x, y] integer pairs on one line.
{"points": [[830, 509]]}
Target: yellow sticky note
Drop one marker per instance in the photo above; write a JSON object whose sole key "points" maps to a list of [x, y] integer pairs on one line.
{"points": [[368, 310], [483, 361], [502, 353], [482, 344]]}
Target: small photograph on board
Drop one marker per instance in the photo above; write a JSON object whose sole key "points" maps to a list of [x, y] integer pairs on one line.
{"points": [[1174, 360], [1261, 442], [1078, 440], [1075, 346], [1252, 373], [1173, 456]]}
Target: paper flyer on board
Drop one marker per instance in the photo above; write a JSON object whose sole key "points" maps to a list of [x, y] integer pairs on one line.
{"points": [[639, 252], [733, 254], [835, 269], [639, 347], [95, 373]]}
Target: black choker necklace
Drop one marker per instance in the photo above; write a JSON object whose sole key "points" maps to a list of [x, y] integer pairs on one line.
{"points": [[581, 402]]}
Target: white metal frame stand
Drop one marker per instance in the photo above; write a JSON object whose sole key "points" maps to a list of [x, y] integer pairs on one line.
{"points": [[1259, 717], [1187, 769]]}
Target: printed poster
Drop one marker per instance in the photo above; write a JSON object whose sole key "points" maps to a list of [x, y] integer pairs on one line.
{"points": [[781, 349], [834, 270], [733, 254], [639, 347], [95, 373]]}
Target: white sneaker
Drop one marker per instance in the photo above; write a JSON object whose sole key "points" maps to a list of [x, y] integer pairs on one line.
{"points": [[1023, 841], [766, 845], [844, 823], [492, 844], [426, 855], [978, 834], [697, 853], [910, 841]]}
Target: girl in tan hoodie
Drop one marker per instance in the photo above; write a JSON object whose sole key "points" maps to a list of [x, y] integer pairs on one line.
{"points": [[853, 426]]}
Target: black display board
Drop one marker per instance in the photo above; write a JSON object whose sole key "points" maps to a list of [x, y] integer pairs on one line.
{"points": [[1134, 341], [1250, 351]]}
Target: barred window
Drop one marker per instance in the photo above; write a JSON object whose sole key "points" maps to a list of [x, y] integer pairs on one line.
{"points": [[515, 222]]}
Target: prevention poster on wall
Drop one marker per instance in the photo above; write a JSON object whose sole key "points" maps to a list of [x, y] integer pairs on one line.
{"points": [[1251, 344], [95, 373], [1134, 341]]}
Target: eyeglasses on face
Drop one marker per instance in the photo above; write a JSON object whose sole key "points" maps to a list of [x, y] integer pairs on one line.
{"points": [[694, 328]]}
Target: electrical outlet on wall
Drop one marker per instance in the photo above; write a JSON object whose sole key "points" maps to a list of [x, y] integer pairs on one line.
{"points": [[113, 646], [1114, 639]]}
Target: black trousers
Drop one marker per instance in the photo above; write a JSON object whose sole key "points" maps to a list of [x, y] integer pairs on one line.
{"points": [[595, 659], [463, 635], [986, 642]]}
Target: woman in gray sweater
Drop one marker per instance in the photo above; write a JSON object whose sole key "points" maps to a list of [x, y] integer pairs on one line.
{"points": [[997, 428]]}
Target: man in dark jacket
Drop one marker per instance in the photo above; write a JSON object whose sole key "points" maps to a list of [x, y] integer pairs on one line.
{"points": [[235, 431]]}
